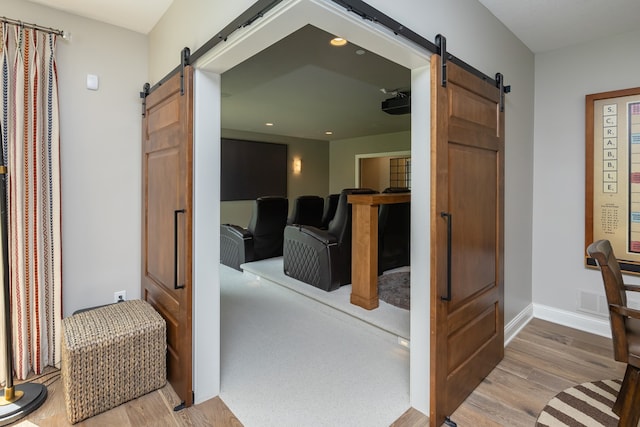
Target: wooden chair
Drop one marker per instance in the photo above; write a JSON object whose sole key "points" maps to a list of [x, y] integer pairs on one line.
{"points": [[625, 330]]}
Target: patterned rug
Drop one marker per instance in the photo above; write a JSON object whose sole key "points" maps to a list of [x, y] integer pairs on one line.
{"points": [[393, 288], [588, 404]]}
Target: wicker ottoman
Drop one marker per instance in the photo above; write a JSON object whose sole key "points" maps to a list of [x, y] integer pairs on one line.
{"points": [[110, 355]]}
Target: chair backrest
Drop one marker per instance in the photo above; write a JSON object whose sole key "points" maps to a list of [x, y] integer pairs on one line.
{"points": [[614, 287], [268, 219], [307, 210], [340, 225], [394, 232], [395, 218], [330, 206]]}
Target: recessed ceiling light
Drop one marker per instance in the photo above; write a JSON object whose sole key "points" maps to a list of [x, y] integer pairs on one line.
{"points": [[338, 41], [268, 124], [328, 132]]}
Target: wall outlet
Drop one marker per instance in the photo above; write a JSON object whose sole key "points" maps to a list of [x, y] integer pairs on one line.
{"points": [[119, 296]]}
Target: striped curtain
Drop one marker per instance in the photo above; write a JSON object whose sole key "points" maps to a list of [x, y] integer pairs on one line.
{"points": [[31, 147]]}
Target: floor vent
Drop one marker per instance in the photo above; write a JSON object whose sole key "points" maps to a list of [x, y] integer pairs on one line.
{"points": [[594, 303]]}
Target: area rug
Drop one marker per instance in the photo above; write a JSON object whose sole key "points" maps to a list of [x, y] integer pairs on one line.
{"points": [[394, 288], [588, 404]]}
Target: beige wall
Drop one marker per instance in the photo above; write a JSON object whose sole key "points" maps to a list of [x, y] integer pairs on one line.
{"points": [[343, 155], [314, 178], [188, 23], [99, 153], [564, 77]]}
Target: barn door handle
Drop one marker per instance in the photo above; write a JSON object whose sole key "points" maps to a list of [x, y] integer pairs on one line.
{"points": [[447, 217], [176, 263]]}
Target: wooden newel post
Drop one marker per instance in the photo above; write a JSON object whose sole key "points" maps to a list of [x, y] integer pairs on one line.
{"points": [[364, 245]]}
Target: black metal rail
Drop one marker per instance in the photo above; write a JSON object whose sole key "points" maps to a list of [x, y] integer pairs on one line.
{"points": [[360, 8]]}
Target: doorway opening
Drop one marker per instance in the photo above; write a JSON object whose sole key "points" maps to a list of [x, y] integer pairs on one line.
{"points": [[382, 170], [283, 20], [310, 86]]}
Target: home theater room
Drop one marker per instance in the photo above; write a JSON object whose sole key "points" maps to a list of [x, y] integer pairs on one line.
{"points": [[287, 229], [320, 212]]}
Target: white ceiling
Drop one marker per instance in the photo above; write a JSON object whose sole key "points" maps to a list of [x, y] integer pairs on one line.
{"points": [[544, 25], [137, 15]]}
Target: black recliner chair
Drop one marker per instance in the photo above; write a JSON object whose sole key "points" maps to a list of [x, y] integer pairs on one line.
{"points": [[261, 239], [307, 210], [322, 258], [330, 206], [394, 233]]}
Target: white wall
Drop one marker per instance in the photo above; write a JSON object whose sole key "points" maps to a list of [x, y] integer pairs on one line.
{"points": [[100, 154], [206, 237], [188, 23], [563, 78]]}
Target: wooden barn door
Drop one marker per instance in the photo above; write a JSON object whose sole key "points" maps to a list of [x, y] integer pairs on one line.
{"points": [[467, 243], [167, 179]]}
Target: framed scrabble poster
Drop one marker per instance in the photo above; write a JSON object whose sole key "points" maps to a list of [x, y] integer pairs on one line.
{"points": [[613, 174]]}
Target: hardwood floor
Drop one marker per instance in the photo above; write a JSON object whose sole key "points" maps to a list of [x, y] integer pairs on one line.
{"points": [[153, 409], [541, 361]]}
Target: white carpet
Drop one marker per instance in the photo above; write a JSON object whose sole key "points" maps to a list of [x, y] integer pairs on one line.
{"points": [[289, 361], [387, 317]]}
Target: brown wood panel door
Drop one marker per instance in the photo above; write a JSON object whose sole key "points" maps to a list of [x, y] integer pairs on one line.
{"points": [[167, 171], [467, 243]]}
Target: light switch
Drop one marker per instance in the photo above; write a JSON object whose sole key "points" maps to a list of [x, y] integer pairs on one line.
{"points": [[92, 82]]}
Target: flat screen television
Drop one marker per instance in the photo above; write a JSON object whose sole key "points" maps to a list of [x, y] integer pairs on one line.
{"points": [[251, 169]]}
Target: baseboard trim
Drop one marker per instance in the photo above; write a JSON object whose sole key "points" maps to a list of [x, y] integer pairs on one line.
{"points": [[517, 324], [573, 320]]}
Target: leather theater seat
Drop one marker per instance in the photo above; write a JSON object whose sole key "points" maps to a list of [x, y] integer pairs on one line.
{"points": [[307, 210], [330, 206], [394, 233], [261, 239], [322, 258]]}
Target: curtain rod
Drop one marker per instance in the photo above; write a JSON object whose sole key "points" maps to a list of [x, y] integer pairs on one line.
{"points": [[34, 26]]}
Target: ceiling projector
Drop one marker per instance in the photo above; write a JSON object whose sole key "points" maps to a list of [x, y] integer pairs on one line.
{"points": [[399, 104]]}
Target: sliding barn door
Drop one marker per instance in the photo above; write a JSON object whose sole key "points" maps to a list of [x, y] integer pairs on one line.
{"points": [[467, 272], [167, 171]]}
